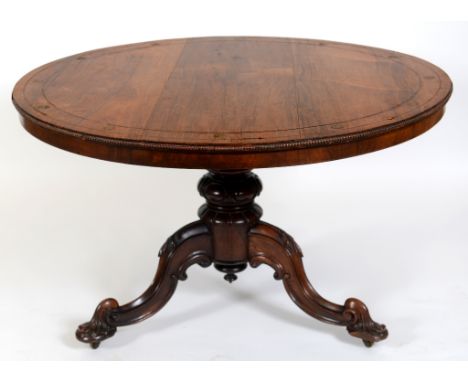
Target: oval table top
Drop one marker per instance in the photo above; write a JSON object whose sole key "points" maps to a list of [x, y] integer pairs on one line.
{"points": [[231, 102]]}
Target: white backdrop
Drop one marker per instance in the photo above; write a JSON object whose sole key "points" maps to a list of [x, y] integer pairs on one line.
{"points": [[389, 227]]}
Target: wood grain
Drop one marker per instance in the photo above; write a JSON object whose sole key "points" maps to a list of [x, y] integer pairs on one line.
{"points": [[231, 102]]}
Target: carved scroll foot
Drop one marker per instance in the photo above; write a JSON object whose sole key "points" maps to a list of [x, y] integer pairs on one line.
{"points": [[360, 323], [99, 328], [271, 246], [190, 245]]}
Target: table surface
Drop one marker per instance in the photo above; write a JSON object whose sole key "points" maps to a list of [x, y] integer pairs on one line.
{"points": [[231, 102]]}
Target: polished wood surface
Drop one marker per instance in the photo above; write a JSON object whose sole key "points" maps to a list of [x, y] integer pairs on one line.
{"points": [[231, 102]]}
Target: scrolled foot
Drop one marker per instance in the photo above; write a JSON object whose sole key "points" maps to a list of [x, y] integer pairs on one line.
{"points": [[98, 328], [360, 323]]}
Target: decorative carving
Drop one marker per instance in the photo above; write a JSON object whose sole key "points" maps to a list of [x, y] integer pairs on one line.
{"points": [[289, 244], [230, 199], [257, 259], [201, 258], [190, 245], [99, 328], [360, 323], [230, 212], [271, 246], [225, 190]]}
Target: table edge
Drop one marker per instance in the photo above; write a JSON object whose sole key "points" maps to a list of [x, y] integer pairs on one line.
{"points": [[287, 155], [232, 149]]}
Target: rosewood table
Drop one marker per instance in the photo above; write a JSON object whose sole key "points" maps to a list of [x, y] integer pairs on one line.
{"points": [[229, 105]]}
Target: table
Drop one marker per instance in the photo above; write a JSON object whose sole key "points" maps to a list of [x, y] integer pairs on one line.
{"points": [[230, 105]]}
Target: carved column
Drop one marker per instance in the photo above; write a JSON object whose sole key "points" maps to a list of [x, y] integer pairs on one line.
{"points": [[229, 213]]}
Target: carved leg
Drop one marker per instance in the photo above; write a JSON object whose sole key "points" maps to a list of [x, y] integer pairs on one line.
{"points": [[272, 246], [190, 245]]}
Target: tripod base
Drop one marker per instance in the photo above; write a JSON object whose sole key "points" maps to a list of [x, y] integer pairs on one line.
{"points": [[230, 235]]}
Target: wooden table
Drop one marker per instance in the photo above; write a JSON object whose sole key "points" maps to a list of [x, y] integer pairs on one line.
{"points": [[231, 104]]}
